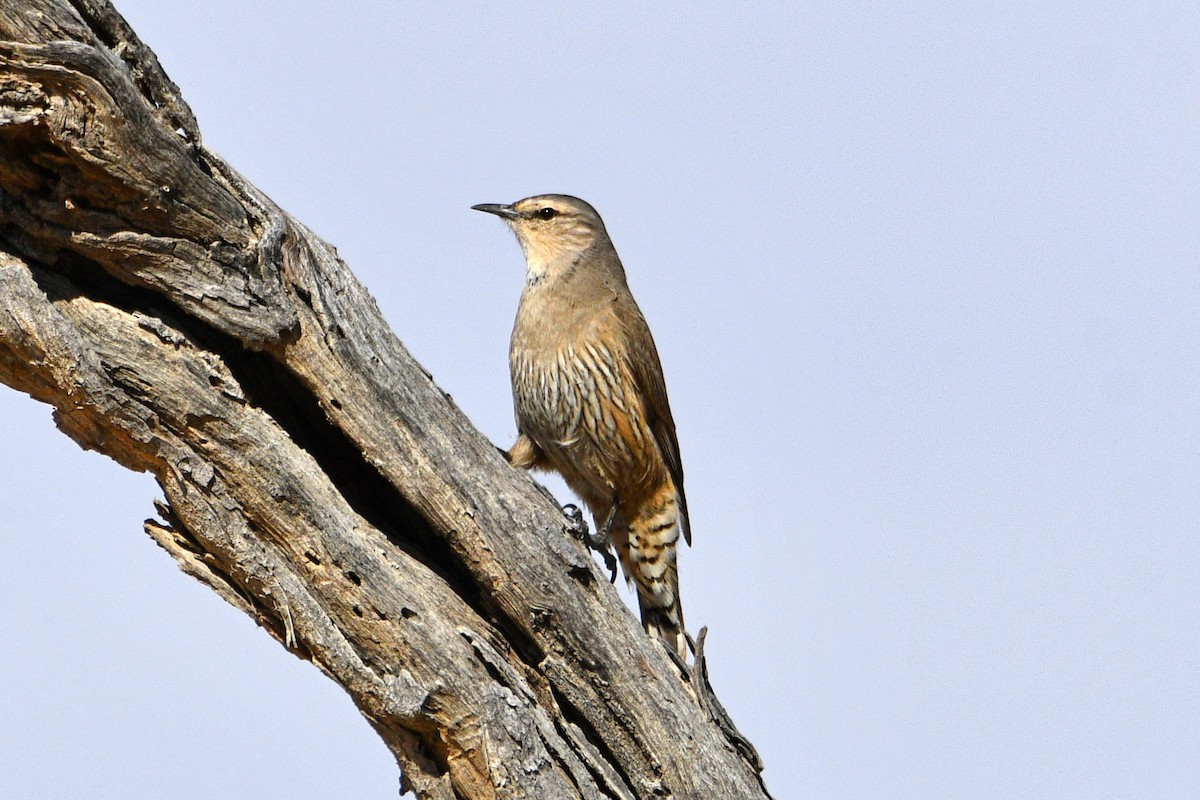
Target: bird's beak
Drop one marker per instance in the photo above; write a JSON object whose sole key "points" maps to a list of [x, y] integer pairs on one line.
{"points": [[500, 210]]}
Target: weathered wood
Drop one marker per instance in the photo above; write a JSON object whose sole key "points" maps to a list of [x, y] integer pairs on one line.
{"points": [[314, 475]]}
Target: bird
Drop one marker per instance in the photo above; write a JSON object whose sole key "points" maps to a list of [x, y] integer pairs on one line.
{"points": [[591, 401]]}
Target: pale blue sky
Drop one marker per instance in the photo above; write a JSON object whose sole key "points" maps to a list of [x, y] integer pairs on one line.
{"points": [[925, 285]]}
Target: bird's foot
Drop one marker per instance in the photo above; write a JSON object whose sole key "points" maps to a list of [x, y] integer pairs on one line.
{"points": [[575, 516], [606, 529], [598, 541]]}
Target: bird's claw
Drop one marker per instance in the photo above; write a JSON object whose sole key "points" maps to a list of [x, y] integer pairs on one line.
{"points": [[578, 526], [600, 545], [598, 542]]}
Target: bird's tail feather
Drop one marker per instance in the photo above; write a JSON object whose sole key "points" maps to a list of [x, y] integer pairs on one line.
{"points": [[666, 624], [649, 560]]}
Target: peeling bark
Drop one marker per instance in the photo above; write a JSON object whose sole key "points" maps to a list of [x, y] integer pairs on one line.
{"points": [[314, 476]]}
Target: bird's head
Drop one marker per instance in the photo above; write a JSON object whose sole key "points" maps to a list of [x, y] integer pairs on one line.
{"points": [[553, 229]]}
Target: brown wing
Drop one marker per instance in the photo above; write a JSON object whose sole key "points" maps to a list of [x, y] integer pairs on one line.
{"points": [[647, 373]]}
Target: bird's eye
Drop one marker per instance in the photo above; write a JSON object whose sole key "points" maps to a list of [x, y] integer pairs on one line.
{"points": [[547, 213]]}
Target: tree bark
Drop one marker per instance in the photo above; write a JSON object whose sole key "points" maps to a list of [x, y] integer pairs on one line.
{"points": [[314, 475]]}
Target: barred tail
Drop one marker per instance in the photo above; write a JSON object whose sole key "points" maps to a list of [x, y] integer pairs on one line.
{"points": [[666, 624], [649, 560]]}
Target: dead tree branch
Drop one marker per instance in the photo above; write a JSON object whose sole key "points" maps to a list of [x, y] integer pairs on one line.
{"points": [[314, 475]]}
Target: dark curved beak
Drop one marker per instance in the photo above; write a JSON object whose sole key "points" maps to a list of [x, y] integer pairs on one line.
{"points": [[499, 209]]}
